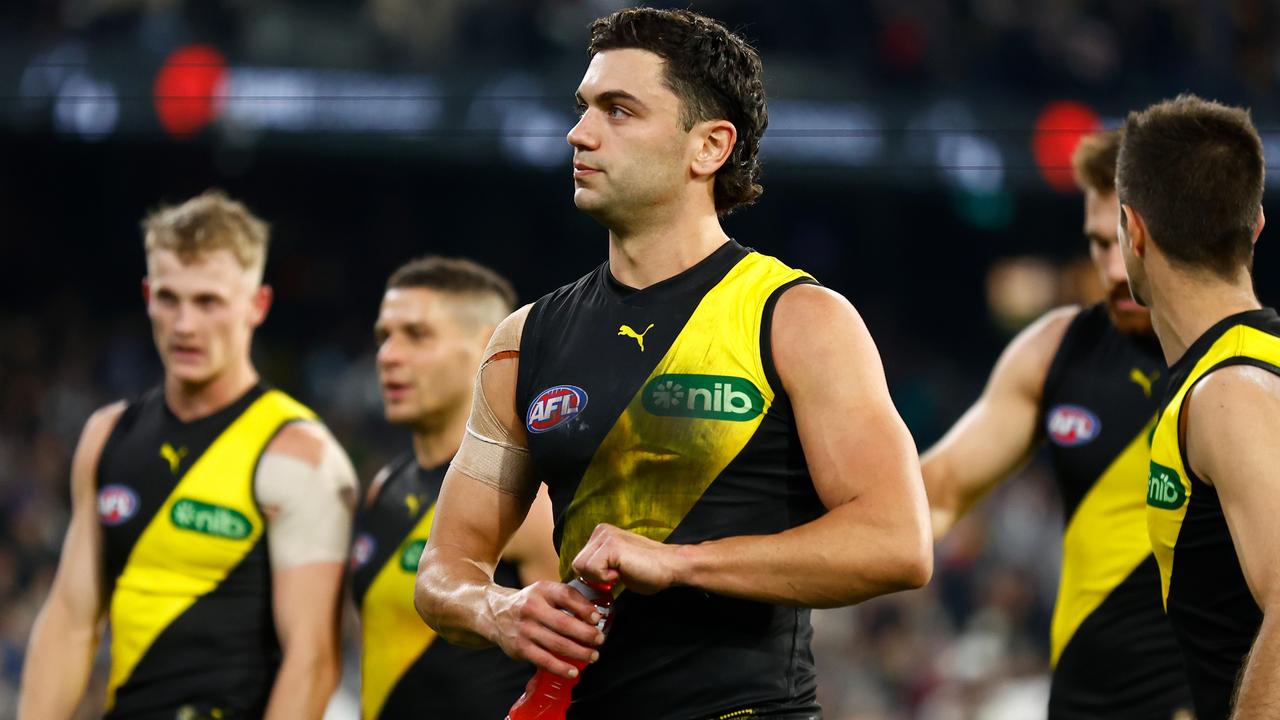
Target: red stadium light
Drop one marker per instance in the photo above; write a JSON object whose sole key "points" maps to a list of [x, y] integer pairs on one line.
{"points": [[187, 89], [1058, 129]]}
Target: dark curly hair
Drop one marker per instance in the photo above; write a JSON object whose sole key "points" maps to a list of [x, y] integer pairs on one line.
{"points": [[716, 75]]}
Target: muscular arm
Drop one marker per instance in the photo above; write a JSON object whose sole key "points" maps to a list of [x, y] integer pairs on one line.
{"points": [[65, 635], [531, 549], [874, 537], [1232, 425], [477, 513], [997, 434], [307, 488]]}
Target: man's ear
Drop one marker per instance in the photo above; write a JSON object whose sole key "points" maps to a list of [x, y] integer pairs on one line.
{"points": [[146, 290], [262, 298], [1262, 221], [718, 138], [1135, 227]]}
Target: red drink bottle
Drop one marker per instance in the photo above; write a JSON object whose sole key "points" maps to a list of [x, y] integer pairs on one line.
{"points": [[547, 695]]}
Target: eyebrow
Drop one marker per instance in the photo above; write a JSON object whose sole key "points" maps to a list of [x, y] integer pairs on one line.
{"points": [[612, 96]]}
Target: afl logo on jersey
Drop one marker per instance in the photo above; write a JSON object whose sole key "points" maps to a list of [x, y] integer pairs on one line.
{"points": [[116, 504], [554, 407], [1072, 425], [362, 550]]}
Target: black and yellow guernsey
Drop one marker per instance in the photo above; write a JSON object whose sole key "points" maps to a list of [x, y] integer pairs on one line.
{"points": [[406, 671], [185, 559], [1212, 611], [1111, 647], [659, 411]]}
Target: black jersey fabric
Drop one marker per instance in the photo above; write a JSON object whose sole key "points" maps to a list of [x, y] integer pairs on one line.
{"points": [[658, 410], [1212, 611], [1113, 649], [439, 680], [185, 558]]}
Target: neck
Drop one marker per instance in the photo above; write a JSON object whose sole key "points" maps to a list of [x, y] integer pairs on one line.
{"points": [[648, 253], [437, 439], [1184, 306], [190, 401]]}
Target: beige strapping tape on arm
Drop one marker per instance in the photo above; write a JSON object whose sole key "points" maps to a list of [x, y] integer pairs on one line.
{"points": [[489, 453]]}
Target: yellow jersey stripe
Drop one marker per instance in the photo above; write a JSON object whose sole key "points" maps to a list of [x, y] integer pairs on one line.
{"points": [[650, 469], [1114, 508], [393, 634], [206, 526], [1166, 511]]}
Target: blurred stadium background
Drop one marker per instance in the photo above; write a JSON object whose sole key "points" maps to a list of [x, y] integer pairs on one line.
{"points": [[917, 161]]}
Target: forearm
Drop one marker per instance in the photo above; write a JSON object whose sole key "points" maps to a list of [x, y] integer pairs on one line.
{"points": [[1259, 695], [457, 597], [946, 501], [304, 683], [839, 559], [58, 665]]}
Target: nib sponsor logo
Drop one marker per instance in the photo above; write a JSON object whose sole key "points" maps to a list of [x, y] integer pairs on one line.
{"points": [[1164, 488], [411, 553], [710, 397], [208, 519]]}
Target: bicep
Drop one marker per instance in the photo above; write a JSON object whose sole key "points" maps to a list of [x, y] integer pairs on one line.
{"points": [[78, 584], [1234, 419], [307, 488], [532, 549], [998, 433], [854, 441]]}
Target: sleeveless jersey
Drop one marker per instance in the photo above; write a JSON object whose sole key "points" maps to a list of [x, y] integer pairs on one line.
{"points": [[1112, 650], [185, 558], [406, 671], [1212, 611], [659, 411]]}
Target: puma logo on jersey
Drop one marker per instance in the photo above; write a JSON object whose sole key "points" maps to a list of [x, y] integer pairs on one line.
{"points": [[638, 337], [173, 457], [412, 503], [1144, 381]]}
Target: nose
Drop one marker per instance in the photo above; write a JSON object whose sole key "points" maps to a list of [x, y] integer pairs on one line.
{"points": [[388, 353], [184, 321], [1113, 262], [581, 136]]}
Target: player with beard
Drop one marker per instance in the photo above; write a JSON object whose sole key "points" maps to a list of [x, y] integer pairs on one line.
{"points": [[1088, 381], [436, 318]]}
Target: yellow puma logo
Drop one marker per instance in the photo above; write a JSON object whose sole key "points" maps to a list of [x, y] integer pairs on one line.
{"points": [[1144, 381], [173, 457], [638, 337], [413, 503]]}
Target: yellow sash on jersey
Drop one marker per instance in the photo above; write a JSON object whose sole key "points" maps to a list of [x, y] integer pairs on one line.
{"points": [[1169, 485], [1104, 543], [394, 636], [207, 525], [694, 414]]}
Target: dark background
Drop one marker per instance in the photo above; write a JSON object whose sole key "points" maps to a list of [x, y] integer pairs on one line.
{"points": [[901, 169]]}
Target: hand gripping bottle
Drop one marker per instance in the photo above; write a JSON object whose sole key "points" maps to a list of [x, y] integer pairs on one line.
{"points": [[547, 695]]}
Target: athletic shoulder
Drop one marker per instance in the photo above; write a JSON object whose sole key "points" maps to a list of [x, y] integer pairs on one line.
{"points": [[93, 438], [506, 337], [1232, 411], [385, 474], [304, 440], [305, 449]]}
